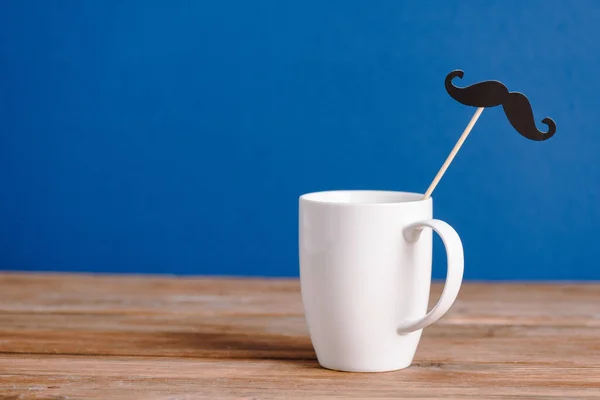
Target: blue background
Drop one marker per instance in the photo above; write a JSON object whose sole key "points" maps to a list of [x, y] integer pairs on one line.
{"points": [[176, 136]]}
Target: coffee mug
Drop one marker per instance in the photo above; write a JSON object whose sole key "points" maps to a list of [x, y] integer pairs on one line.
{"points": [[365, 275]]}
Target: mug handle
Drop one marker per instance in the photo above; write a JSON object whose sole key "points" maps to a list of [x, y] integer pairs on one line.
{"points": [[456, 264]]}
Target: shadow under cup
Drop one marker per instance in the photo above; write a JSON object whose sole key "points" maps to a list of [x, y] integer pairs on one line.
{"points": [[365, 273]]}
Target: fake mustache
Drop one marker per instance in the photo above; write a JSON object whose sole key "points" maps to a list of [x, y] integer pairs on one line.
{"points": [[493, 93]]}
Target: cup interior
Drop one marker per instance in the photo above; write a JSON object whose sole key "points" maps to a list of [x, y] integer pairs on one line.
{"points": [[362, 197]]}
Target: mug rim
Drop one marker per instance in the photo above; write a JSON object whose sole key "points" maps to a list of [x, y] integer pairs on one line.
{"points": [[337, 198]]}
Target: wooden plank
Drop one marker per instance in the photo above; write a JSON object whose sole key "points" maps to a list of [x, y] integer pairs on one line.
{"points": [[106, 294], [520, 303], [161, 378], [82, 336], [262, 338]]}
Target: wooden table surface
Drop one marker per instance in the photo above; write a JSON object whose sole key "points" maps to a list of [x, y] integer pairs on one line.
{"points": [[127, 337]]}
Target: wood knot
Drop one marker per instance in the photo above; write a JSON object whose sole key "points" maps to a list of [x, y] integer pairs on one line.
{"points": [[429, 365]]}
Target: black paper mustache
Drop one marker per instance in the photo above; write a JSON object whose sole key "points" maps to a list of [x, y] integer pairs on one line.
{"points": [[493, 93]]}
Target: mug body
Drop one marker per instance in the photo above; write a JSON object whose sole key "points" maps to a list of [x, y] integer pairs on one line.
{"points": [[360, 278]]}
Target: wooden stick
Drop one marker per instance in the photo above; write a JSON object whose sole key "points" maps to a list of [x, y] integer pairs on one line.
{"points": [[453, 152]]}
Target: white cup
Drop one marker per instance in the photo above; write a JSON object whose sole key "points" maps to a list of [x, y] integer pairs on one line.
{"points": [[365, 274]]}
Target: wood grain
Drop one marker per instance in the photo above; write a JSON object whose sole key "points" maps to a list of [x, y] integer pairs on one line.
{"points": [[159, 337]]}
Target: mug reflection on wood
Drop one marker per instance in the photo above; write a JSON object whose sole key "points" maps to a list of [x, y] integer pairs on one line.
{"points": [[365, 274]]}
